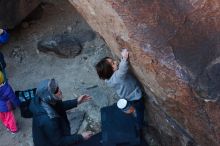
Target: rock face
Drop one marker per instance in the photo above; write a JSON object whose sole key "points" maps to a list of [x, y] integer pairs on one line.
{"points": [[174, 50], [12, 12]]}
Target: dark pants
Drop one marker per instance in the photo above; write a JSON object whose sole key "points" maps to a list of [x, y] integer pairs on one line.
{"points": [[139, 108]]}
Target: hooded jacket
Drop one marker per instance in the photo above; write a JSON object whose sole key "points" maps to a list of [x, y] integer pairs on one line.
{"points": [[51, 130]]}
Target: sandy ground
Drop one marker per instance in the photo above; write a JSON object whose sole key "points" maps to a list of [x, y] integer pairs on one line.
{"points": [[26, 66]]}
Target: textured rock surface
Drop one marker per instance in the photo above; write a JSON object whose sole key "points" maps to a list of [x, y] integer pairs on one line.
{"points": [[12, 12], [174, 50], [61, 44], [75, 118], [65, 45]]}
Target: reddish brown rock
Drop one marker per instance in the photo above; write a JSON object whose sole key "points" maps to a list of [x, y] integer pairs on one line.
{"points": [[174, 50]]}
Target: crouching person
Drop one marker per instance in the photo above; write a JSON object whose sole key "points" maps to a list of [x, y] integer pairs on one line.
{"points": [[50, 125]]}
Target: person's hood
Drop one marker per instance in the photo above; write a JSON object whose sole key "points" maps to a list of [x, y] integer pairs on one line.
{"points": [[44, 91], [36, 108], [44, 98]]}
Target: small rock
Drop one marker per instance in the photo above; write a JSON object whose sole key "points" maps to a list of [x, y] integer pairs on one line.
{"points": [[85, 57], [69, 29], [91, 87], [18, 54], [25, 25]]}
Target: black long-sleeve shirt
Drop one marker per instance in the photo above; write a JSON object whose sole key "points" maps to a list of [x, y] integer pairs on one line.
{"points": [[54, 131]]}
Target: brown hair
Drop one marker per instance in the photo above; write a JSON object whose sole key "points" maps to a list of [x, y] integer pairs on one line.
{"points": [[104, 69]]}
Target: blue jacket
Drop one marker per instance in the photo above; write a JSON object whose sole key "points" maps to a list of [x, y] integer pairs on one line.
{"points": [[7, 93], [4, 37]]}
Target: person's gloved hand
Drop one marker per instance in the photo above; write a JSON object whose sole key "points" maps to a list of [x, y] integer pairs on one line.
{"points": [[83, 98], [86, 135], [124, 54]]}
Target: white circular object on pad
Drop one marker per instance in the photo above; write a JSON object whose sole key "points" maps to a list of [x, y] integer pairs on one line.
{"points": [[122, 103], [1, 31]]}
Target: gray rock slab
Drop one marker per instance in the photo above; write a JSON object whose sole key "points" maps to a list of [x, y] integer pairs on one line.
{"points": [[85, 36], [62, 45], [75, 118]]}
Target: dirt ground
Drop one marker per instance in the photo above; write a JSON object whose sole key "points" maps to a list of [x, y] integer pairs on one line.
{"points": [[26, 66]]}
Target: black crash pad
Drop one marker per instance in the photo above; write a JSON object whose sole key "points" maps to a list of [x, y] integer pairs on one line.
{"points": [[118, 127], [97, 141]]}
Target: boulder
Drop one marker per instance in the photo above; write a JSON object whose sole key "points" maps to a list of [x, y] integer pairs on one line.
{"points": [[12, 12], [63, 45], [174, 51]]}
